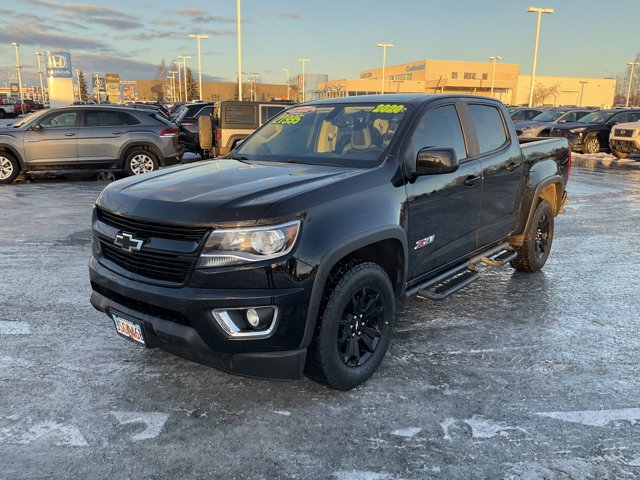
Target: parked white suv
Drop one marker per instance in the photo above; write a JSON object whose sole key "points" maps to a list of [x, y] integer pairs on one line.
{"points": [[625, 139]]}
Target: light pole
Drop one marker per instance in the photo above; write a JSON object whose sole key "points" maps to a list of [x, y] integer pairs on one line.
{"points": [[98, 86], [631, 65], [583, 83], [172, 76], [539, 11], [184, 69], [177, 64], [38, 55], [493, 72], [198, 36], [18, 68], [286, 70], [303, 61], [239, 54], [384, 60]]}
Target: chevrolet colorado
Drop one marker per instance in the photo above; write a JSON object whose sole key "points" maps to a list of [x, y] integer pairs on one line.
{"points": [[288, 255]]}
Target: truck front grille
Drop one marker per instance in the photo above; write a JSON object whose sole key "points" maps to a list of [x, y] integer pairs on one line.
{"points": [[147, 229]]}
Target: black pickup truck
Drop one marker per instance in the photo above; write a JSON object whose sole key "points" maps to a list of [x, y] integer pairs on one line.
{"points": [[288, 255]]}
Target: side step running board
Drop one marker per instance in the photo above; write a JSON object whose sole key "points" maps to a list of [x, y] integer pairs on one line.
{"points": [[449, 282]]}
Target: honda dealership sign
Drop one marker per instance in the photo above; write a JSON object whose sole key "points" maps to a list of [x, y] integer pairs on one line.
{"points": [[59, 65]]}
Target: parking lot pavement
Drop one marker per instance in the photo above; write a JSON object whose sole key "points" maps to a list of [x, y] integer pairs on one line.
{"points": [[518, 376]]}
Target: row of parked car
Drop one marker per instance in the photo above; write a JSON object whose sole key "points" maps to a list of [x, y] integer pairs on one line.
{"points": [[587, 130], [12, 109]]}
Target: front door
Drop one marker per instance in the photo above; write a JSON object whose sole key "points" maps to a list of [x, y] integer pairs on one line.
{"points": [[443, 209], [55, 141]]}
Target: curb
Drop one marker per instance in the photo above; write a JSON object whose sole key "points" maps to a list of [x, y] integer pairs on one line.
{"points": [[604, 160]]}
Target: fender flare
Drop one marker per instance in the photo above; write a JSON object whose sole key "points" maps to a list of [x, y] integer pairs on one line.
{"points": [[15, 153], [337, 253]]}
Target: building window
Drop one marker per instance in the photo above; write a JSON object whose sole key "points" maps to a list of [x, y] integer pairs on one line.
{"points": [[485, 76], [469, 76], [454, 75]]}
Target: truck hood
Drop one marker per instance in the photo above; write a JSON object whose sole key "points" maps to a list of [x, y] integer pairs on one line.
{"points": [[216, 192]]}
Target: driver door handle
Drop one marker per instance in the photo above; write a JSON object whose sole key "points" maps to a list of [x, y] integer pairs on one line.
{"points": [[511, 166], [471, 180], [70, 134], [117, 133]]}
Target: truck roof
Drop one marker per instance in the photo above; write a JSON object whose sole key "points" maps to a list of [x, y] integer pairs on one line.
{"points": [[413, 98]]}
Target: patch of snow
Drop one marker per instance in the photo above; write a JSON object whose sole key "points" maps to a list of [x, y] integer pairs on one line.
{"points": [[14, 328], [407, 432], [595, 418]]}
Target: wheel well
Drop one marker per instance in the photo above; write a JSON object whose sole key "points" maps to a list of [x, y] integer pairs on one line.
{"points": [[143, 146], [13, 153], [550, 194], [386, 253]]}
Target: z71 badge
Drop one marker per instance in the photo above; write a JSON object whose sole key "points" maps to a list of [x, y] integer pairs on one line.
{"points": [[424, 242]]}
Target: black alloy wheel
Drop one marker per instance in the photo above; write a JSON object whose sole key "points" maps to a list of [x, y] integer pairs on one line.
{"points": [[359, 328], [543, 233]]}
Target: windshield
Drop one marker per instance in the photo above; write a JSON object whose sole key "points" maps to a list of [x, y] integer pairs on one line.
{"points": [[549, 116], [597, 117], [339, 134], [29, 118]]}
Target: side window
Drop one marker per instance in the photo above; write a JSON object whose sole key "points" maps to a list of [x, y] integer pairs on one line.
{"points": [[61, 120], [238, 114], [531, 113], [619, 118], [489, 127], [107, 118], [268, 112], [440, 127], [570, 117], [205, 111], [519, 115], [634, 117]]}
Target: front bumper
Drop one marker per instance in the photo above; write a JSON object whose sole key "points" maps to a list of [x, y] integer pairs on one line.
{"points": [[626, 146], [179, 320]]}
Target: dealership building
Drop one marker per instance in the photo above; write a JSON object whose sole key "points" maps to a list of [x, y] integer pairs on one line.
{"points": [[476, 78]]}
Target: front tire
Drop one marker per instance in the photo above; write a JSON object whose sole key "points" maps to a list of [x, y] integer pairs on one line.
{"points": [[592, 144], [533, 253], [139, 162], [354, 328], [618, 154], [9, 168]]}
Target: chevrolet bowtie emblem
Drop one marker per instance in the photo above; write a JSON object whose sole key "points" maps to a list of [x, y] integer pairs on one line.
{"points": [[127, 242]]}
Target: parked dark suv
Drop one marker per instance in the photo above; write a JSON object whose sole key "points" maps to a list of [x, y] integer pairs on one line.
{"points": [[88, 137], [187, 121], [590, 134]]}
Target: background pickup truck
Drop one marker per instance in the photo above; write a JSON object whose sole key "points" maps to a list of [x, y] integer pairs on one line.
{"points": [[289, 255], [7, 110]]}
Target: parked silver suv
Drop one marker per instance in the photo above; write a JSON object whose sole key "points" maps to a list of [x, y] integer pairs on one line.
{"points": [[88, 137]]}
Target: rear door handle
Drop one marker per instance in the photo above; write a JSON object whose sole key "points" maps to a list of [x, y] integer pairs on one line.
{"points": [[69, 134], [471, 180], [511, 166], [117, 133]]}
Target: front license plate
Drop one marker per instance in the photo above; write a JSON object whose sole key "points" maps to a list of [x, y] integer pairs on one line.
{"points": [[128, 328]]}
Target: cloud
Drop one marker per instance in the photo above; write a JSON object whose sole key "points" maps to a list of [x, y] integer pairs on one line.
{"points": [[191, 11], [168, 22], [119, 23], [81, 9], [22, 32], [289, 16], [216, 19]]}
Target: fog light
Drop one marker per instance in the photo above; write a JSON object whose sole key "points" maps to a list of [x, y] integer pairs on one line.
{"points": [[253, 319]]}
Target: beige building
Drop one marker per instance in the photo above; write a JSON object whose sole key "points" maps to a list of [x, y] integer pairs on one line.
{"points": [[476, 78], [552, 91], [151, 90]]}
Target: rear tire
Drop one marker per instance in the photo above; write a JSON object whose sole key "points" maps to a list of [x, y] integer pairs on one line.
{"points": [[9, 168], [592, 144], [354, 328], [533, 253], [139, 162], [2, 114], [618, 154]]}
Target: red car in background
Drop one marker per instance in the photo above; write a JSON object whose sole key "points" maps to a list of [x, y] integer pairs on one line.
{"points": [[27, 106]]}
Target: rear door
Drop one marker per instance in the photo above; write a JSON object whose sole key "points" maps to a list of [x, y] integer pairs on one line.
{"points": [[102, 134], [443, 209], [55, 142], [502, 171]]}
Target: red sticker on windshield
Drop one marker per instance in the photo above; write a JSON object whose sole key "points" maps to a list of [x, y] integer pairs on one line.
{"points": [[301, 110]]}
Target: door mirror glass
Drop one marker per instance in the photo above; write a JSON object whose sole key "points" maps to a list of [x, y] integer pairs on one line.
{"points": [[37, 127], [433, 161]]}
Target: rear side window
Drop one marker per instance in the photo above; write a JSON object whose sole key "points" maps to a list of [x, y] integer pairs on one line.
{"points": [[440, 127], [108, 119], [489, 127], [161, 119], [267, 112], [238, 114]]}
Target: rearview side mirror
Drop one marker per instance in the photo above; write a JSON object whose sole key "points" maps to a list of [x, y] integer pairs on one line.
{"points": [[36, 128], [436, 160]]}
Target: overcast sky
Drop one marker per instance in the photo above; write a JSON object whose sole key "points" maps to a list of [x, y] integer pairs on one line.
{"points": [[130, 37]]}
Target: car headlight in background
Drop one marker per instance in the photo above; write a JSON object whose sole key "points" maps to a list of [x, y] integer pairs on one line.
{"points": [[235, 246], [577, 130], [529, 127]]}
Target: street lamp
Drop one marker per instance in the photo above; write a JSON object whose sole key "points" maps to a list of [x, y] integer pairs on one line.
{"points": [[239, 54], [384, 60], [172, 77], [303, 61], [631, 65], [38, 55], [583, 83], [539, 11], [198, 36], [493, 72], [286, 70], [18, 68], [177, 64], [184, 69]]}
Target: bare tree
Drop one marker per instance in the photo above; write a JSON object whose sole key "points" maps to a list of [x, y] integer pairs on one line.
{"points": [[542, 92], [161, 76]]}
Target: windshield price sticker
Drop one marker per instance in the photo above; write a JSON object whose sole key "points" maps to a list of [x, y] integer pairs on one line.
{"points": [[387, 108], [298, 110], [287, 119]]}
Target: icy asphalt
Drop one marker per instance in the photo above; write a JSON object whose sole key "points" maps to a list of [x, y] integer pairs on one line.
{"points": [[516, 377]]}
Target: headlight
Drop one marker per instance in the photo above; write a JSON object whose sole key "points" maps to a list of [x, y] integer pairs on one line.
{"points": [[235, 246], [529, 127], [577, 130]]}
